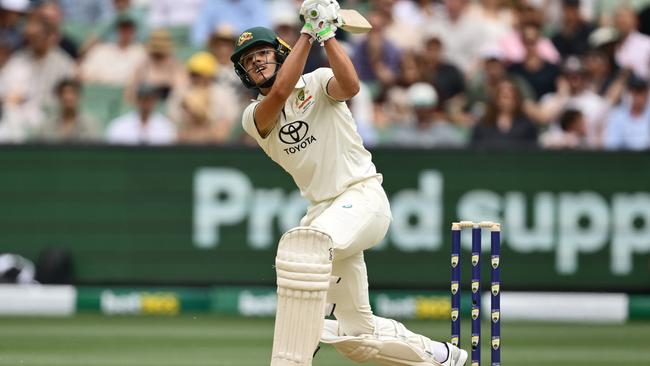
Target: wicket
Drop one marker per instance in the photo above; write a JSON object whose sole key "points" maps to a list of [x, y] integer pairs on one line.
{"points": [[495, 288]]}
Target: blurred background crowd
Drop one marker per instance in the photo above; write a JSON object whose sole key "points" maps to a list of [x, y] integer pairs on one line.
{"points": [[554, 74]]}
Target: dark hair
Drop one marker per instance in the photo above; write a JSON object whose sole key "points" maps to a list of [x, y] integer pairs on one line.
{"points": [[568, 118], [492, 110], [65, 83]]}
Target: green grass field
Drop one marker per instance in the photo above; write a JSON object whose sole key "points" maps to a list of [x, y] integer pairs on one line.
{"points": [[94, 340]]}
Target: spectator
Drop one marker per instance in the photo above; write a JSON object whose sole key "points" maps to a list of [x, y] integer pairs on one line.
{"points": [[425, 128], [400, 33], [571, 133], [600, 70], [107, 31], [634, 50], [461, 33], [174, 13], [514, 44], [160, 68], [573, 37], [114, 63], [628, 125], [197, 126], [11, 14], [241, 14], [377, 60], [483, 86], [50, 13], [573, 93], [221, 45], [505, 125], [496, 17], [538, 73], [204, 105], [31, 74], [445, 77], [65, 122], [145, 125], [87, 12]]}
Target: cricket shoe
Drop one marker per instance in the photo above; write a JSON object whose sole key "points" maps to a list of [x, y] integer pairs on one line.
{"points": [[457, 356]]}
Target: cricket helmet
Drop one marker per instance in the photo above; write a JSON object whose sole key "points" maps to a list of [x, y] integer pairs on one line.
{"points": [[253, 37]]}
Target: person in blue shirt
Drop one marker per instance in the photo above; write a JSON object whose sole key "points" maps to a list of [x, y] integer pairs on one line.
{"points": [[239, 14]]}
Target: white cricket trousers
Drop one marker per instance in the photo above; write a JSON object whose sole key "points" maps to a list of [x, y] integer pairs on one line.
{"points": [[356, 220]]}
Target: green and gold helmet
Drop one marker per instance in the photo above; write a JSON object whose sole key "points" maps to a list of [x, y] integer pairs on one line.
{"points": [[253, 37]]}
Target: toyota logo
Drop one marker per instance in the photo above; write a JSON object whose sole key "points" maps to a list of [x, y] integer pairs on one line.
{"points": [[294, 132]]}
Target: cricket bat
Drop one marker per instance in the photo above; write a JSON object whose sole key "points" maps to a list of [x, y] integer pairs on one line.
{"points": [[354, 22]]}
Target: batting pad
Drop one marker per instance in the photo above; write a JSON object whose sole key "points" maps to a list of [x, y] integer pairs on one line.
{"points": [[303, 267], [390, 345]]}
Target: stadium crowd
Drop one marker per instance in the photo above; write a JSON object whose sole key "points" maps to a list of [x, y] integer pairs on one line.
{"points": [[555, 74]]}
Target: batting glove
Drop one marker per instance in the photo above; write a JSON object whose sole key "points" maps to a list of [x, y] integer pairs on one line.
{"points": [[321, 18]]}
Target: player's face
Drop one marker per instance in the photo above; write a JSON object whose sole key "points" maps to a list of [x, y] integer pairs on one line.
{"points": [[260, 63]]}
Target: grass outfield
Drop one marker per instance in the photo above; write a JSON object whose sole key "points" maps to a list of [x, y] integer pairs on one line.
{"points": [[93, 340]]}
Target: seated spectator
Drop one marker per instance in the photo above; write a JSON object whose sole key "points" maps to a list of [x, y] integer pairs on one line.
{"points": [[107, 31], [32, 73], [174, 13], [628, 125], [445, 77], [87, 12], [571, 133], [538, 73], [573, 93], [514, 45], [376, 59], [634, 50], [114, 63], [573, 37], [601, 71], [461, 33], [160, 68], [197, 125], [144, 125], [504, 124], [483, 86], [203, 104], [221, 45], [496, 16], [65, 122], [50, 12], [425, 128], [12, 13], [240, 14], [402, 34]]}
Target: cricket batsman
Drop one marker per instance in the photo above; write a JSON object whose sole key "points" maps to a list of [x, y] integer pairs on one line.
{"points": [[303, 123]]}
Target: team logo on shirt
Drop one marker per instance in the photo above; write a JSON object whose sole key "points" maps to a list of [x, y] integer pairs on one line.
{"points": [[295, 134], [304, 100]]}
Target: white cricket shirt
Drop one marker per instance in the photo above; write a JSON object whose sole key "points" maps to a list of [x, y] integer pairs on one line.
{"points": [[315, 140]]}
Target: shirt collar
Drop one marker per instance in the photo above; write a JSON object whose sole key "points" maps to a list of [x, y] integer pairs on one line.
{"points": [[299, 85]]}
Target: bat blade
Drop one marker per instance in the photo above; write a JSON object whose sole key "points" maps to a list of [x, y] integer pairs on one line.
{"points": [[354, 22]]}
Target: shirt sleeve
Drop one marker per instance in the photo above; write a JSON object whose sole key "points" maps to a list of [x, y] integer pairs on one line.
{"points": [[323, 76], [248, 123]]}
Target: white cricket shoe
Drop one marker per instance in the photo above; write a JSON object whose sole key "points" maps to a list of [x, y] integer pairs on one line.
{"points": [[457, 356]]}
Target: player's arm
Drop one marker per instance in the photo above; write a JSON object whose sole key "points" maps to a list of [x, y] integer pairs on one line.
{"points": [[268, 110], [345, 83]]}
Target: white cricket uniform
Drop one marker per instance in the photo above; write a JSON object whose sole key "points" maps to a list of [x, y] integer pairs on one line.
{"points": [[316, 141]]}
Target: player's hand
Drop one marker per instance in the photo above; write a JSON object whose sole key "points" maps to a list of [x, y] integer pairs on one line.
{"points": [[321, 18]]}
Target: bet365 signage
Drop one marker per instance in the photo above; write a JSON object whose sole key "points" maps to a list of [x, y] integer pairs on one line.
{"points": [[565, 223]]}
